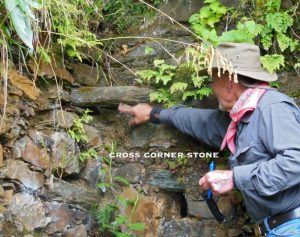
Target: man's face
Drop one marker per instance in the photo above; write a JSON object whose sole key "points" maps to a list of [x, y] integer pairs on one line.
{"points": [[222, 89]]}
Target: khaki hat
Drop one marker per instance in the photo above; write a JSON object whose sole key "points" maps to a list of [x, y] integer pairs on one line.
{"points": [[245, 59]]}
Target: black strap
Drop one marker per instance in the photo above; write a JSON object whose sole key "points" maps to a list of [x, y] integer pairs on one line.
{"points": [[153, 118], [214, 209]]}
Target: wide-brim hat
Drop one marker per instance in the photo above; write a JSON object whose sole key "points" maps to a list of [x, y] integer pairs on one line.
{"points": [[245, 60]]}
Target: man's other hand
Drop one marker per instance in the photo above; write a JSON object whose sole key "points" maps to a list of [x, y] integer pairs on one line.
{"points": [[140, 112], [219, 181]]}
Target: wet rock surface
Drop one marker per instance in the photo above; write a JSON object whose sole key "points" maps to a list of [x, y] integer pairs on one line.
{"points": [[91, 172], [74, 193], [29, 211], [65, 155], [19, 170], [165, 180]]}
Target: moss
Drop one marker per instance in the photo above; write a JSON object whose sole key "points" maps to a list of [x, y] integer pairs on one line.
{"points": [[294, 94], [85, 89], [183, 73]]}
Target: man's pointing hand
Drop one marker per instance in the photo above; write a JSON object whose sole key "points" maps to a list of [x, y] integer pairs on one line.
{"points": [[140, 112]]}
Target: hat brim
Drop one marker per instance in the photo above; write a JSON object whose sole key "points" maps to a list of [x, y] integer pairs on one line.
{"points": [[262, 75]]}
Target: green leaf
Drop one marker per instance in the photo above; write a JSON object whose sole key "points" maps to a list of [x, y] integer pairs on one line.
{"points": [[164, 78], [214, 6], [279, 21], [122, 200], [267, 42], [121, 180], [283, 41], [272, 62], [10, 4], [198, 80], [267, 37], [87, 155], [205, 12], [178, 86], [120, 220], [228, 36], [149, 50], [199, 29], [273, 5], [146, 74], [34, 4], [209, 1], [274, 84], [218, 9], [194, 18], [221, 10], [120, 234], [25, 7], [293, 45], [212, 20], [137, 226], [245, 33], [253, 28], [161, 96], [104, 216], [205, 91], [44, 55], [6, 31], [103, 186], [21, 22], [165, 67], [158, 62], [187, 94], [212, 37]]}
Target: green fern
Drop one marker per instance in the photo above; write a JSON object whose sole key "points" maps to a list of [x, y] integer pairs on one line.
{"points": [[77, 131], [91, 153], [104, 216], [267, 24], [176, 83], [178, 86], [272, 62]]}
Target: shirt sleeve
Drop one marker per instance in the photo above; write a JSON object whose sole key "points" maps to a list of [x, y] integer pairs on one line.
{"points": [[206, 125], [279, 131]]}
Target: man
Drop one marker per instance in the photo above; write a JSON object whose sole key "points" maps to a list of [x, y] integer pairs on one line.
{"points": [[261, 128]]}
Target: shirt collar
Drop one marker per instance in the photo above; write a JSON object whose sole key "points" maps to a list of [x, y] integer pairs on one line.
{"points": [[246, 118]]}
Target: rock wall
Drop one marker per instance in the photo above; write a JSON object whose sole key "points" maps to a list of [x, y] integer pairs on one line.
{"points": [[45, 189]]}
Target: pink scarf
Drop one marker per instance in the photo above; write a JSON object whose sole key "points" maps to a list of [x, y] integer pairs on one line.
{"points": [[247, 102]]}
